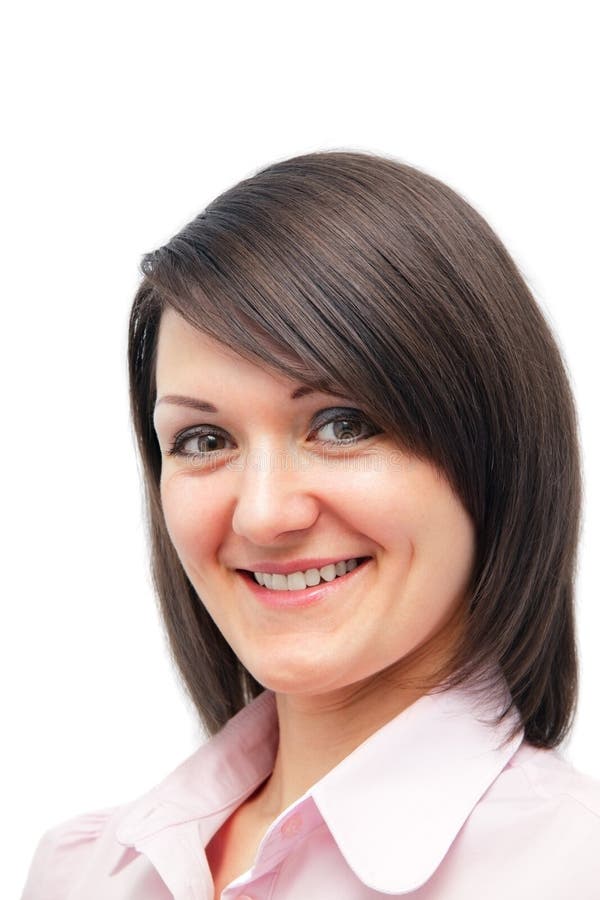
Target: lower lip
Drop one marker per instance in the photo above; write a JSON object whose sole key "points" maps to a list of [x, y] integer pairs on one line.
{"points": [[308, 597]]}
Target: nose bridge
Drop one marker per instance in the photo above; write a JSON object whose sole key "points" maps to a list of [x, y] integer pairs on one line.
{"points": [[273, 493]]}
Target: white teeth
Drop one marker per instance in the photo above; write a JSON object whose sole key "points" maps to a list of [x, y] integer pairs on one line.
{"points": [[298, 581], [312, 577], [328, 572]]}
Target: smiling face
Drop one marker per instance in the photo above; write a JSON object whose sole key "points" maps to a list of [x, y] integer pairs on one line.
{"points": [[276, 479]]}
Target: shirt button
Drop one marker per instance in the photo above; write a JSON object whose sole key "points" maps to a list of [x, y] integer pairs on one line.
{"points": [[292, 825]]}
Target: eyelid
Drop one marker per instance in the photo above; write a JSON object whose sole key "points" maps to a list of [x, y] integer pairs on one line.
{"points": [[330, 412], [339, 410]]}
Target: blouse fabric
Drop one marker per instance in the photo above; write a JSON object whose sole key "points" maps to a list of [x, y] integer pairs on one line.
{"points": [[435, 805]]}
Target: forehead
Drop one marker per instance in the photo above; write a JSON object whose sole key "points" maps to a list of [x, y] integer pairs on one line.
{"points": [[186, 355], [178, 340]]}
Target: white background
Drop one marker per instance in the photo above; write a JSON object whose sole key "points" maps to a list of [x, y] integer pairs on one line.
{"points": [[121, 121]]}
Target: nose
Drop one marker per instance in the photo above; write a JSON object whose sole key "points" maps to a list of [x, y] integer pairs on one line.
{"points": [[274, 495]]}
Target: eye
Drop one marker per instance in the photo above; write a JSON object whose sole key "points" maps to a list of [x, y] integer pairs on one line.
{"points": [[346, 426], [202, 442], [349, 426]]}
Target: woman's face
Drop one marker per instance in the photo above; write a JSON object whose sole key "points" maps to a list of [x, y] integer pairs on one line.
{"points": [[262, 484]]}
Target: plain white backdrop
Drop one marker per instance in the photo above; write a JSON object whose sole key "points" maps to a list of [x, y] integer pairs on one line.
{"points": [[121, 122]]}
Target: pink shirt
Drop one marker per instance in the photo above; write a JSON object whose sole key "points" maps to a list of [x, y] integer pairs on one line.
{"points": [[428, 807]]}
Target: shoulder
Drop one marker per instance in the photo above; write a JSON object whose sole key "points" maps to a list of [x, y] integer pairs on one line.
{"points": [[541, 819], [64, 851], [535, 832], [553, 779]]}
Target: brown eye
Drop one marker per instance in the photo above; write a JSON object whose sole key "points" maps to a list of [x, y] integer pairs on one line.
{"points": [[346, 427], [197, 444]]}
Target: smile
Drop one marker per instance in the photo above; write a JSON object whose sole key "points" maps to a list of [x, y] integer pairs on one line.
{"points": [[278, 595], [298, 581]]}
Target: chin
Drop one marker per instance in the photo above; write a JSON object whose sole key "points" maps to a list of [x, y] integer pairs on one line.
{"points": [[291, 677]]}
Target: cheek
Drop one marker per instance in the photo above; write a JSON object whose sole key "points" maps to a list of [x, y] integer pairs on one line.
{"points": [[385, 505], [193, 516], [444, 556], [426, 535]]}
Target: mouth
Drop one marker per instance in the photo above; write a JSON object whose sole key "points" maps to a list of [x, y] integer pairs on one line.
{"points": [[306, 596]]}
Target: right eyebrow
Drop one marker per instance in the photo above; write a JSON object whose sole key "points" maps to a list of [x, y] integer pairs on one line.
{"points": [[190, 402]]}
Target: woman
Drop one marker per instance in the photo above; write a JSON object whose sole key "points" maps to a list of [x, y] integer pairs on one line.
{"points": [[363, 482]]}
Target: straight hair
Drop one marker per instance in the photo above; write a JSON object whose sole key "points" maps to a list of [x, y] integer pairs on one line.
{"points": [[365, 276]]}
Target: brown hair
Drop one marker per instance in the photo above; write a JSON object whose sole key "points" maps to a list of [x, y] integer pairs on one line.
{"points": [[366, 276]]}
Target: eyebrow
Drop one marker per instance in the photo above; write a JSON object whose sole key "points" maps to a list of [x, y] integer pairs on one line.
{"points": [[205, 406]]}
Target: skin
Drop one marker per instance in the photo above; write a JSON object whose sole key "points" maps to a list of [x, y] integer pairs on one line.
{"points": [[339, 670]]}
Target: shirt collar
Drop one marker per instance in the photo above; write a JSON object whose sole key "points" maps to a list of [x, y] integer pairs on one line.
{"points": [[396, 804], [393, 806]]}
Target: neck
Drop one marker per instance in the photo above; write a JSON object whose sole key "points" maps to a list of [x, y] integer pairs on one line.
{"points": [[316, 732]]}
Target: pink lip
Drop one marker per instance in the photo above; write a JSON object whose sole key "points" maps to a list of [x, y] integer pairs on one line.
{"points": [[307, 597], [296, 565]]}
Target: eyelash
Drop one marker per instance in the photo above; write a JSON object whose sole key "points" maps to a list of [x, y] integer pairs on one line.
{"points": [[341, 415]]}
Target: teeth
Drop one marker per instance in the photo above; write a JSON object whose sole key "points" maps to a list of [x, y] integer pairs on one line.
{"points": [[298, 581], [312, 577], [328, 572]]}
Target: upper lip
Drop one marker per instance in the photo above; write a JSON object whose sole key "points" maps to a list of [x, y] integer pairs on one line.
{"points": [[296, 565]]}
